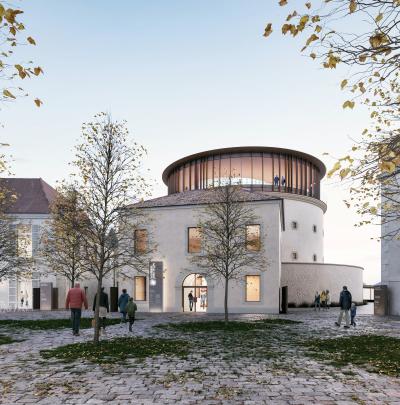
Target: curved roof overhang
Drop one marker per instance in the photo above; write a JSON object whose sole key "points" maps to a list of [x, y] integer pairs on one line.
{"points": [[243, 149]]}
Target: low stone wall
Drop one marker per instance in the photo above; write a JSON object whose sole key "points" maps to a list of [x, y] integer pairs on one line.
{"points": [[304, 279]]}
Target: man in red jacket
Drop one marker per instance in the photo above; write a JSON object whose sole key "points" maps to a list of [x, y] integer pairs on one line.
{"points": [[75, 298]]}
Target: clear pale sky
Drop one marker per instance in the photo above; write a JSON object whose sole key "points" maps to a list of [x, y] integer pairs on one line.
{"points": [[187, 76]]}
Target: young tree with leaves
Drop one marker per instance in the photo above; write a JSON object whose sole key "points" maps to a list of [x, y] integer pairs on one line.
{"points": [[14, 260], [63, 236], [108, 167], [227, 248], [362, 35]]}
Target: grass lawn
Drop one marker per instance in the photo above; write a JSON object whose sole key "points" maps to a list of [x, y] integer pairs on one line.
{"points": [[110, 351], [379, 354], [5, 340], [231, 326], [43, 324]]}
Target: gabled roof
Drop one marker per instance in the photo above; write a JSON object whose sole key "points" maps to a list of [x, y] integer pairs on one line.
{"points": [[34, 196], [196, 197]]}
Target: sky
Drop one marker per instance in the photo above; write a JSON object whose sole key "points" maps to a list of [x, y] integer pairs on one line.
{"points": [[187, 76]]}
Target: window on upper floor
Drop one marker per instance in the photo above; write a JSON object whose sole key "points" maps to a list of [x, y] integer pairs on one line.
{"points": [[294, 225], [314, 228], [253, 237], [314, 257], [194, 240], [253, 284], [294, 255], [140, 241]]}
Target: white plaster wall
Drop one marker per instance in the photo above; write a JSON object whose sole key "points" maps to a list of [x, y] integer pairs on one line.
{"points": [[390, 265], [303, 240], [169, 228], [3, 294], [304, 279]]}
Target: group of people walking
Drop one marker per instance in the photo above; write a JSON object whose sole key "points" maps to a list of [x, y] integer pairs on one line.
{"points": [[348, 308], [76, 299], [322, 300]]}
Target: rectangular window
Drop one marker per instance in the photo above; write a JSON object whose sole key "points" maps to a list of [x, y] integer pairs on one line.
{"points": [[140, 241], [24, 240], [140, 288], [314, 228], [253, 288], [253, 240], [315, 258], [294, 255], [294, 225], [194, 240]]}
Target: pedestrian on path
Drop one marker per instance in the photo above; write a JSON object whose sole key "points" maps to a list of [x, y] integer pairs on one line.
{"points": [[104, 308], [122, 301], [353, 312], [191, 299], [75, 299], [323, 299], [131, 309], [328, 300], [345, 305], [317, 301]]}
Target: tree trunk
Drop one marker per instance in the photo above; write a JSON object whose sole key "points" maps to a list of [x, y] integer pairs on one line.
{"points": [[72, 281], [226, 300], [97, 309]]}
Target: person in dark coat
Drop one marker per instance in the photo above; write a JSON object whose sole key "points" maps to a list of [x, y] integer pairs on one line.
{"points": [[122, 301], [345, 305], [191, 299], [104, 308]]}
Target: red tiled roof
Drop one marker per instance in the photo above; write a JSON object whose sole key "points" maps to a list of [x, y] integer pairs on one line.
{"points": [[34, 196]]}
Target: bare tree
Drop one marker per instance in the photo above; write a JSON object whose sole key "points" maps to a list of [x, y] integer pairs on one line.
{"points": [[62, 239], [110, 178], [228, 246]]}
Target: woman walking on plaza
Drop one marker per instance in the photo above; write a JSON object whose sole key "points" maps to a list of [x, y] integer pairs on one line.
{"points": [[104, 308], [317, 301], [328, 300], [122, 302], [323, 299]]}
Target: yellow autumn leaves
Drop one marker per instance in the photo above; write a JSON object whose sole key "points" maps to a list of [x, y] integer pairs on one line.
{"points": [[11, 28]]}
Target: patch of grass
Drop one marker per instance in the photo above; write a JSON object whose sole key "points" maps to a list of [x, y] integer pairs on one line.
{"points": [[110, 351], [231, 326], [46, 324], [5, 340], [379, 354]]}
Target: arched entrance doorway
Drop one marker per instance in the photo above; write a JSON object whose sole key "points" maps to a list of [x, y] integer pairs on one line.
{"points": [[195, 284]]}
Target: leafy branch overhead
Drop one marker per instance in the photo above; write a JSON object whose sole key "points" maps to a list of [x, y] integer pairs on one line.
{"points": [[11, 69], [363, 36]]}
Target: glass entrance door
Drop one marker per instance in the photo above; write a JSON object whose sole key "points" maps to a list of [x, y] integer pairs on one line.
{"points": [[194, 293]]}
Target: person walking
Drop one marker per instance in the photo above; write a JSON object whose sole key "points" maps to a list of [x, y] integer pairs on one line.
{"points": [[345, 305], [131, 309], [328, 300], [191, 299], [353, 312], [323, 299], [122, 302], [317, 301], [104, 308], [75, 299]]}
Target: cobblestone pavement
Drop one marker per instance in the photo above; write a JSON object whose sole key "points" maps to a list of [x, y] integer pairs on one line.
{"points": [[213, 373]]}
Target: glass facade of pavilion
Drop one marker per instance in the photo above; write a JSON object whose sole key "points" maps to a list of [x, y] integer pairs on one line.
{"points": [[262, 171]]}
